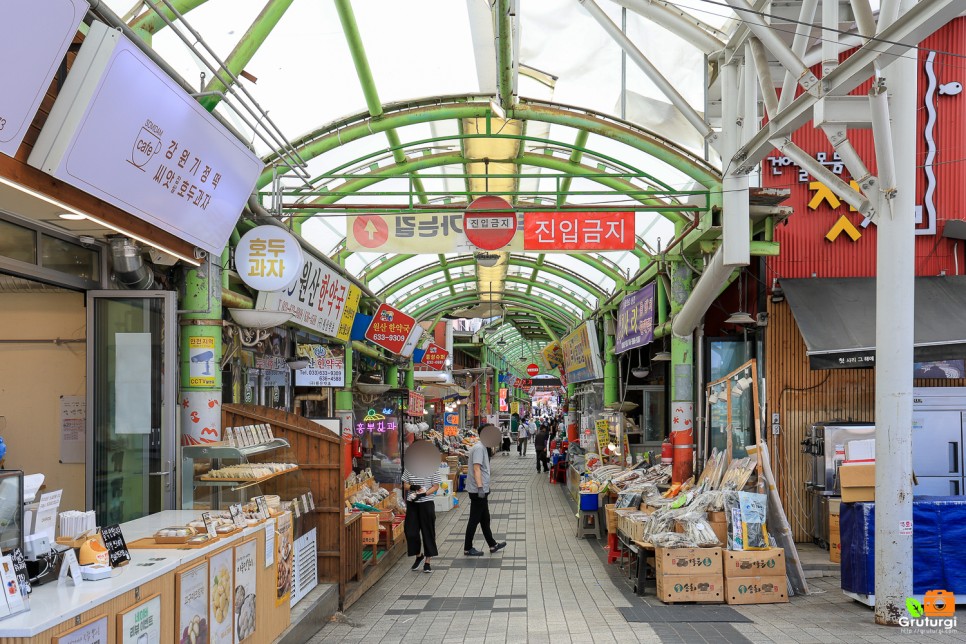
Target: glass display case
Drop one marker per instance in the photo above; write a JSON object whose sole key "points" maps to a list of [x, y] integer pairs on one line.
{"points": [[215, 476]]}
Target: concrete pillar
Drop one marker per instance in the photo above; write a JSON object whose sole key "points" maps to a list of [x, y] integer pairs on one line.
{"points": [[201, 354]]}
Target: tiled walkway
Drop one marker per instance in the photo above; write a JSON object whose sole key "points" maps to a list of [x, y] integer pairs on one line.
{"points": [[548, 586]]}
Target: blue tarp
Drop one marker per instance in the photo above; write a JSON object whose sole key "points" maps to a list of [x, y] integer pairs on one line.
{"points": [[938, 545]]}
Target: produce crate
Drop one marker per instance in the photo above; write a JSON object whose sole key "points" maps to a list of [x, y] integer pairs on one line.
{"points": [[370, 537], [675, 589], [611, 517], [754, 563], [398, 532], [370, 522], [756, 590], [688, 561]]}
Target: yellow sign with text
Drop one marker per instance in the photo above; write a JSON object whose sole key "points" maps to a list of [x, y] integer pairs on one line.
{"points": [[603, 436]]}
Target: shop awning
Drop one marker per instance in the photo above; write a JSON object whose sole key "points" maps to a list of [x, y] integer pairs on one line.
{"points": [[837, 319], [443, 391]]}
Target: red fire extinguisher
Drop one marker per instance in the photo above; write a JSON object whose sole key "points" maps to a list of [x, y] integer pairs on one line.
{"points": [[356, 448], [667, 452]]}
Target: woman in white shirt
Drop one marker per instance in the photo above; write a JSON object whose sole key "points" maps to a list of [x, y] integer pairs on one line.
{"points": [[420, 525]]}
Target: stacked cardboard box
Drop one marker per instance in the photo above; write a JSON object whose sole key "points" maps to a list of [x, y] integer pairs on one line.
{"points": [[755, 576], [370, 528], [858, 482], [689, 575]]}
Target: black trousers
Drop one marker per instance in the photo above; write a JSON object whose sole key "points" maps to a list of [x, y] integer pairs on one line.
{"points": [[543, 459], [420, 522], [479, 516]]}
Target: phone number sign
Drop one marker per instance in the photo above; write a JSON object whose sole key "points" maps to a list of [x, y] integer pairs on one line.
{"points": [[390, 328], [316, 300]]}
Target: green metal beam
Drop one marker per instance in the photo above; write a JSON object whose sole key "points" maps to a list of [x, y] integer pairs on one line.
{"points": [[518, 300], [150, 22], [345, 131], [245, 49], [504, 54], [384, 266], [364, 72], [546, 327], [515, 279], [445, 267], [575, 156]]}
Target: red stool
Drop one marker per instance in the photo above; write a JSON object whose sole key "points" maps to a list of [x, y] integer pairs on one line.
{"points": [[613, 548]]}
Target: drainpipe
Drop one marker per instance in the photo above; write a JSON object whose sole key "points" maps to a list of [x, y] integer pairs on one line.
{"points": [[682, 379], [343, 397], [201, 352]]}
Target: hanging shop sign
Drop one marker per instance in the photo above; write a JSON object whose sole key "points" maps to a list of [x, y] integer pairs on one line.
{"points": [[268, 258], [532, 369], [417, 404], [552, 355], [124, 131], [635, 320], [581, 354], [316, 300], [349, 311], [36, 35], [375, 423], [451, 424], [489, 222], [326, 366], [503, 403], [418, 233], [390, 328], [578, 231], [603, 436], [515, 407], [435, 356]]}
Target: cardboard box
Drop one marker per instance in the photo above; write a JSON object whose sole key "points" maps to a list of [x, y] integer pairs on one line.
{"points": [[688, 561], [720, 526], [834, 539], [443, 503], [754, 563], [858, 482], [756, 590], [834, 505], [370, 522], [690, 588], [370, 537]]}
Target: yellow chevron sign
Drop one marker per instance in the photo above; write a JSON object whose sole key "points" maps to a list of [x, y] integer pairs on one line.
{"points": [[843, 225]]}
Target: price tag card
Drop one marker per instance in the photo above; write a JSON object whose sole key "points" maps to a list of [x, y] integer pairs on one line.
{"points": [[262, 506], [295, 508], [115, 544], [251, 435], [209, 524], [237, 516], [20, 568], [70, 565], [305, 504], [311, 500], [271, 434], [270, 543]]}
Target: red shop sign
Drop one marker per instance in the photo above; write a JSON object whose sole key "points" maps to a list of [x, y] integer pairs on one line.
{"points": [[532, 369], [544, 231], [435, 356], [417, 404], [390, 328]]}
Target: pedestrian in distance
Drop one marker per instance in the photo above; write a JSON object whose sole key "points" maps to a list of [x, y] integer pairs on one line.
{"points": [[540, 444], [526, 430], [478, 487], [421, 479]]}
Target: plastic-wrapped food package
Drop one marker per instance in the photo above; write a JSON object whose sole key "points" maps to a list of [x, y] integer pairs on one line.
{"points": [[754, 508], [732, 511]]}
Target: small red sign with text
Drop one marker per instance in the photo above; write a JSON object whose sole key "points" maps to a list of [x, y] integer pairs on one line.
{"points": [[389, 328], [435, 356], [489, 222], [545, 231], [532, 369], [417, 404]]}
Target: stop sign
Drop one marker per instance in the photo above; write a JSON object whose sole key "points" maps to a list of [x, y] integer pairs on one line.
{"points": [[489, 222], [532, 370]]}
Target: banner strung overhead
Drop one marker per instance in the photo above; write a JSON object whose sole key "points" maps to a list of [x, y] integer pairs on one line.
{"points": [[428, 233]]}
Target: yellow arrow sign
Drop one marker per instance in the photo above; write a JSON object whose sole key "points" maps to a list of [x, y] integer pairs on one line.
{"points": [[843, 225]]}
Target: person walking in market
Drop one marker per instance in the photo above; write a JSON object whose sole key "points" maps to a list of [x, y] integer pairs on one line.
{"points": [[540, 444], [526, 430], [478, 487], [421, 479]]}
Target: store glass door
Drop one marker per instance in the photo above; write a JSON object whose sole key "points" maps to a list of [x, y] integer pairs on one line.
{"points": [[132, 402]]}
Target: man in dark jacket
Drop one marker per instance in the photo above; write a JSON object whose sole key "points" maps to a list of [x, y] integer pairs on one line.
{"points": [[540, 443]]}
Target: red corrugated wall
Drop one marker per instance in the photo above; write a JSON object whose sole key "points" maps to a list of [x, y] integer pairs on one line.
{"points": [[804, 249]]}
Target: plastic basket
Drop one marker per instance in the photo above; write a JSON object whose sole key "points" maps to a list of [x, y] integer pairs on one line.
{"points": [[589, 501]]}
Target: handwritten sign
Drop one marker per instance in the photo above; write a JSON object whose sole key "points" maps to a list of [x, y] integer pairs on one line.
{"points": [[115, 544], [20, 568], [603, 436]]}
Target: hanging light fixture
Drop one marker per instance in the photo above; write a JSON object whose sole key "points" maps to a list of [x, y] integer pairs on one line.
{"points": [[640, 371], [663, 355], [740, 317]]}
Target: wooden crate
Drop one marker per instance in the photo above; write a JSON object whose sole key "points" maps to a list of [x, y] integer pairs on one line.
{"points": [[611, 509]]}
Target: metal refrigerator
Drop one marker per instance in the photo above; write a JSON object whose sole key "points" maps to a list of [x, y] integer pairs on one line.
{"points": [[937, 440]]}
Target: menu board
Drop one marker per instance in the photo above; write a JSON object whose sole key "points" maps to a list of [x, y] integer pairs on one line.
{"points": [[245, 582], [115, 544], [192, 606], [221, 596], [141, 624], [283, 559]]}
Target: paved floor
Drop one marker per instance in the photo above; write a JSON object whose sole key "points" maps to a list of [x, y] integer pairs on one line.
{"points": [[549, 586]]}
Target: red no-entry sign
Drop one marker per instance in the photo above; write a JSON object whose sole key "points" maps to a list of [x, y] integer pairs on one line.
{"points": [[489, 222], [532, 369]]}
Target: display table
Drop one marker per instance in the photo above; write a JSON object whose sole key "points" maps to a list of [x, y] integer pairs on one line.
{"points": [[59, 607]]}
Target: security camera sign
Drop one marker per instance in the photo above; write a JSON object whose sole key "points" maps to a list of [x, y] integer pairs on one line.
{"points": [[201, 365]]}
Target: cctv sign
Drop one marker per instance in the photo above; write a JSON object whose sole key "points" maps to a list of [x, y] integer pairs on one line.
{"points": [[201, 365]]}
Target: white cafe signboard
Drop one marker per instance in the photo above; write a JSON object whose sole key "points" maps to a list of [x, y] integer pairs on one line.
{"points": [[268, 258], [124, 131], [34, 37]]}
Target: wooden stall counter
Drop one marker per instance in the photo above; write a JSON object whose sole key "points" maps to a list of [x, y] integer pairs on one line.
{"points": [[173, 590]]}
